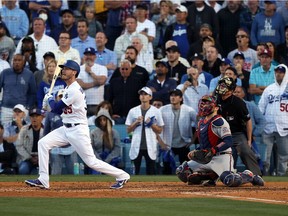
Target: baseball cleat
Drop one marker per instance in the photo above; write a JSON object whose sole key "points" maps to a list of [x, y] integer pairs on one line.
{"points": [[119, 184], [257, 181], [209, 183], [34, 183]]}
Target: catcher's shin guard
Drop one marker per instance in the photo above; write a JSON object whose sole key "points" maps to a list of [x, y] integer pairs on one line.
{"points": [[231, 179], [183, 171]]}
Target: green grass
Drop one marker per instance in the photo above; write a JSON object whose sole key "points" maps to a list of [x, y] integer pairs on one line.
{"points": [[138, 207], [132, 206]]}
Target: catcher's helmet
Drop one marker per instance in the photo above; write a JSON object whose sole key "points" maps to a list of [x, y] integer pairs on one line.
{"points": [[225, 84], [72, 65], [206, 105]]}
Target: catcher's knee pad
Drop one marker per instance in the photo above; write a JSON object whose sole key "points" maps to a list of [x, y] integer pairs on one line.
{"points": [[231, 179], [183, 171]]}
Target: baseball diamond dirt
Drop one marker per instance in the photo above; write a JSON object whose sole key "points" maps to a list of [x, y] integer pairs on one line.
{"points": [[272, 192]]}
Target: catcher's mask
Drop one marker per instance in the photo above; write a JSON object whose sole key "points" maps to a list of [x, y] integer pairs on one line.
{"points": [[206, 105], [225, 84]]}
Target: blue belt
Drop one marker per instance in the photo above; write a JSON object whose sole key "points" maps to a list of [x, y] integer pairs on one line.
{"points": [[68, 125]]}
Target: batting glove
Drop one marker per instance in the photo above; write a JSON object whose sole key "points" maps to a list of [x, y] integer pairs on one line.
{"points": [[151, 122]]}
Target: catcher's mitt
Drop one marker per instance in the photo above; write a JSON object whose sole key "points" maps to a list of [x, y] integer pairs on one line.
{"points": [[203, 156]]}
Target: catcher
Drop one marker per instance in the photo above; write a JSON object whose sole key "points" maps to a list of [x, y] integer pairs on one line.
{"points": [[213, 158]]}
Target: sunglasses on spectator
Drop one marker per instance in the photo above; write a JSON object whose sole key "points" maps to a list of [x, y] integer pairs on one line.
{"points": [[124, 69], [241, 36]]}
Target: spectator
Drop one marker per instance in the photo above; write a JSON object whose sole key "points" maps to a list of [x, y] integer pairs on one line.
{"points": [[7, 155], [258, 123], [123, 92], [106, 140], [272, 49], [229, 22], [102, 105], [200, 13], [225, 63], [181, 31], [45, 84], [92, 78], [65, 50], [242, 40], [52, 6], [145, 121], [67, 24], [16, 20], [39, 74], [259, 49], [175, 68], [27, 143], [29, 52], [161, 85], [165, 18], [192, 89], [145, 26], [144, 59], [248, 14], [83, 40], [123, 41], [94, 25], [283, 49], [212, 62], [18, 85], [205, 33], [234, 110], [105, 57], [283, 11], [273, 105], [261, 76], [7, 45], [158, 103], [137, 71], [12, 128], [242, 74], [169, 44], [198, 62], [268, 26], [116, 18], [42, 42], [177, 132], [59, 155]]}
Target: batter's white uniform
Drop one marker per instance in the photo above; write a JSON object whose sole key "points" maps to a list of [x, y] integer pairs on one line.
{"points": [[77, 135]]}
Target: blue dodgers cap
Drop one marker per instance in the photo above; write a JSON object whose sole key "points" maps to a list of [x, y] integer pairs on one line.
{"points": [[90, 50], [280, 68], [239, 54], [197, 56], [72, 65], [162, 63], [226, 61]]}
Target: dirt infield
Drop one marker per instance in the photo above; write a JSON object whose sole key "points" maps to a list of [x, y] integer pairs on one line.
{"points": [[272, 192]]}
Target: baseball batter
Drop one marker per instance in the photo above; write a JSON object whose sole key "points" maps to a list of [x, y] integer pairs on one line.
{"points": [[74, 131], [215, 139]]}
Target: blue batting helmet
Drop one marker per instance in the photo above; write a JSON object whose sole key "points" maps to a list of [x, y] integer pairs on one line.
{"points": [[72, 65]]}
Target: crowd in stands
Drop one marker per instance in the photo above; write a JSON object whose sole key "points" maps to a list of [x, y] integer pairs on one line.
{"points": [[146, 64]]}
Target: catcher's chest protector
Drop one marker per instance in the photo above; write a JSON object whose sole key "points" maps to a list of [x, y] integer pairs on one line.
{"points": [[206, 136]]}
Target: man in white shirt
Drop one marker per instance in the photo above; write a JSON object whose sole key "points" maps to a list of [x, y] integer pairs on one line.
{"points": [[65, 51], [92, 78], [123, 41], [145, 26], [42, 42]]}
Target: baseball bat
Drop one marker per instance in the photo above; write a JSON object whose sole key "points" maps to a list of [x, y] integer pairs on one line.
{"points": [[56, 74]]}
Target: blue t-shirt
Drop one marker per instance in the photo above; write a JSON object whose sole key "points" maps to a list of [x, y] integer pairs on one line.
{"points": [[180, 36]]}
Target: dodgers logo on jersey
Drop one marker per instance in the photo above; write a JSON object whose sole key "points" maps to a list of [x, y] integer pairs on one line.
{"points": [[66, 95]]}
